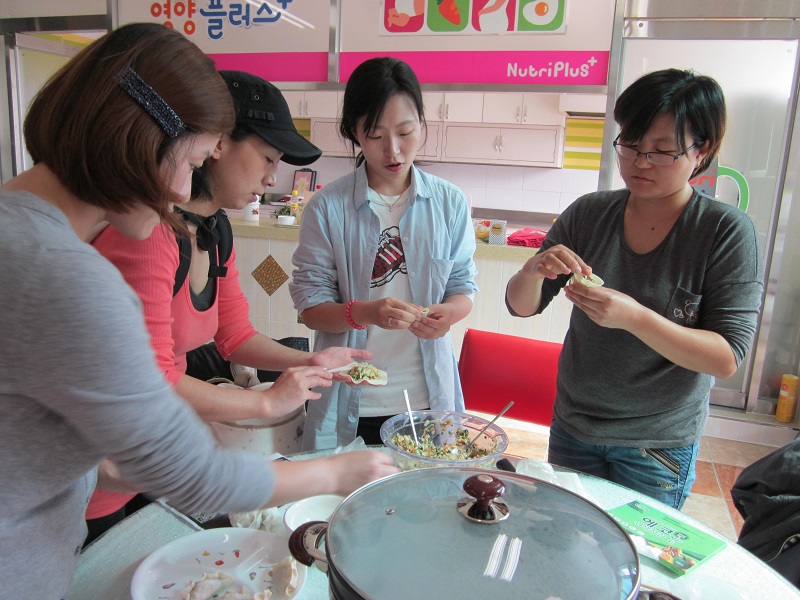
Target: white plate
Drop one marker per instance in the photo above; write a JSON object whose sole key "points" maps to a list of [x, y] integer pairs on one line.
{"points": [[247, 555], [294, 226], [315, 508], [383, 378]]}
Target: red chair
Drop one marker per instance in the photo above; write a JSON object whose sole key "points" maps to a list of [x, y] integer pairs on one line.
{"points": [[495, 368]]}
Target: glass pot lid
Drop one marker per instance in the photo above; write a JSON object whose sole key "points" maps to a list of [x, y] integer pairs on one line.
{"points": [[415, 535]]}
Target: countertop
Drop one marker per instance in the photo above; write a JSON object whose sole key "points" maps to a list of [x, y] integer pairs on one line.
{"points": [[268, 229]]}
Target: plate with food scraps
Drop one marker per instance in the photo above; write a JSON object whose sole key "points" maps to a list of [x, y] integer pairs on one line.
{"points": [[209, 563], [362, 372]]}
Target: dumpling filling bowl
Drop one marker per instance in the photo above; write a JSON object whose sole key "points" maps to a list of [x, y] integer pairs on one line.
{"points": [[444, 438]]}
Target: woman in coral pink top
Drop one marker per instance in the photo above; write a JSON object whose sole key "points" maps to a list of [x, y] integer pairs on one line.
{"points": [[210, 303]]}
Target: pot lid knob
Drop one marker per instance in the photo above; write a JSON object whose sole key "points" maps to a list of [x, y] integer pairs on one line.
{"points": [[486, 506]]}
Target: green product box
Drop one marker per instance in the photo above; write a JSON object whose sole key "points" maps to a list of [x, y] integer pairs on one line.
{"points": [[677, 546]]}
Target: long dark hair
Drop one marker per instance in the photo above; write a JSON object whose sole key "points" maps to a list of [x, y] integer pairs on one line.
{"points": [[371, 85]]}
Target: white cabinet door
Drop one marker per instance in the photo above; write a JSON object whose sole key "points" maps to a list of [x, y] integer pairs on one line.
{"points": [[535, 146], [434, 105], [502, 107], [432, 143], [310, 104], [325, 135], [520, 109], [322, 104], [461, 107], [295, 100], [470, 143], [532, 146], [541, 109]]}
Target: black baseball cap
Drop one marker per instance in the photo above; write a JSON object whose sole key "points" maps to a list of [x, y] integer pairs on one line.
{"points": [[261, 107]]}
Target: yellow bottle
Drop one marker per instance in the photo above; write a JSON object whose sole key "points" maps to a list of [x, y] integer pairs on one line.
{"points": [[787, 399], [294, 206]]}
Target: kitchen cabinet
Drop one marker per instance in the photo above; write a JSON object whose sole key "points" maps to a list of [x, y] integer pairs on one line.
{"points": [[431, 148], [325, 135], [462, 107], [522, 108], [313, 103], [534, 146]]}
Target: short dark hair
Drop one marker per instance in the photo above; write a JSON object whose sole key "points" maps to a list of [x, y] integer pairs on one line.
{"points": [[371, 85], [695, 101], [100, 143]]}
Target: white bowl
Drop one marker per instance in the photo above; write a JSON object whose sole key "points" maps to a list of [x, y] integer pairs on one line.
{"points": [[315, 508], [286, 219]]}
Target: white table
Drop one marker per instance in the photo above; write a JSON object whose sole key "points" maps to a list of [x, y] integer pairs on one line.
{"points": [[106, 567]]}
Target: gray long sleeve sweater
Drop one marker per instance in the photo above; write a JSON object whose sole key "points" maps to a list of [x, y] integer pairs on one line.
{"points": [[79, 382], [614, 389]]}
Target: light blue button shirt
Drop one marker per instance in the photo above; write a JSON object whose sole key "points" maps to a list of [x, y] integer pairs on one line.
{"points": [[334, 260]]}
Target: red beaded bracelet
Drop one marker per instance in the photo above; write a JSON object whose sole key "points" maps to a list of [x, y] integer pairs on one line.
{"points": [[347, 313]]}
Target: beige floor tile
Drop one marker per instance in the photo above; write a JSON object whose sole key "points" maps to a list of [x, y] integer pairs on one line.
{"points": [[711, 512], [704, 453], [736, 453], [527, 444]]}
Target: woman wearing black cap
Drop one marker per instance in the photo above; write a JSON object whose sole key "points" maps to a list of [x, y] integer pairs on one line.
{"points": [[210, 303]]}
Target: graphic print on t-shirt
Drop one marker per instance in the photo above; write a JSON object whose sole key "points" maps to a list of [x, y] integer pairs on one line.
{"points": [[390, 260]]}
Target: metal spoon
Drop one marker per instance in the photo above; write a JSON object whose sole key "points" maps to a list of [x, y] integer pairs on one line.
{"points": [[468, 449]]}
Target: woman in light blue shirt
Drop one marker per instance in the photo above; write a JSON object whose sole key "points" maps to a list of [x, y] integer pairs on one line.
{"points": [[378, 246]]}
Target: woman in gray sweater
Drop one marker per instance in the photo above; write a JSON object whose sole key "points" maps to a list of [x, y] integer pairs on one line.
{"points": [[114, 136], [681, 296]]}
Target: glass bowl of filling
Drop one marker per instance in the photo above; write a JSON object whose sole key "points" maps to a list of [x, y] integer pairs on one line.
{"points": [[444, 438]]}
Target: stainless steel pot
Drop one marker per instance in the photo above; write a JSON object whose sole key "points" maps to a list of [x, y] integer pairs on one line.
{"points": [[469, 533]]}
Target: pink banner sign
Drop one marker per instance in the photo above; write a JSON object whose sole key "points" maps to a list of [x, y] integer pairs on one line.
{"points": [[568, 67], [277, 66]]}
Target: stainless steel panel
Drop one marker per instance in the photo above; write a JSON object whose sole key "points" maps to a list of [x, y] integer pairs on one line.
{"points": [[716, 9], [776, 348]]}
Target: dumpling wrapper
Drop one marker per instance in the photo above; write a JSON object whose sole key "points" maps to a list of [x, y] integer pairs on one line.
{"points": [[206, 587], [244, 594], [221, 586], [285, 576], [265, 519], [587, 280], [383, 377]]}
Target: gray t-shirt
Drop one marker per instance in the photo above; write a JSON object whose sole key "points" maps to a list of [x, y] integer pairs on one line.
{"points": [[614, 389], [79, 382]]}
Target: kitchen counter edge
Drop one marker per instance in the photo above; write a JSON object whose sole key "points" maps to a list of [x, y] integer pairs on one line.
{"points": [[267, 229]]}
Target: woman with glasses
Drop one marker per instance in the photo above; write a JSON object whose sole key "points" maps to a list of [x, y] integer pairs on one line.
{"points": [[679, 305]]}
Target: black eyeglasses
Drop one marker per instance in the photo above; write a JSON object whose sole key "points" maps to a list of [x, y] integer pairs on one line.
{"points": [[660, 159]]}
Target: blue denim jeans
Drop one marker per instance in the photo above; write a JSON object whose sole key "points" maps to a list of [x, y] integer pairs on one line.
{"points": [[666, 474]]}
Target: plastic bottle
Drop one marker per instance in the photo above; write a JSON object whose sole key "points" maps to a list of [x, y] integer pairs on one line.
{"points": [[787, 399], [294, 203]]}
